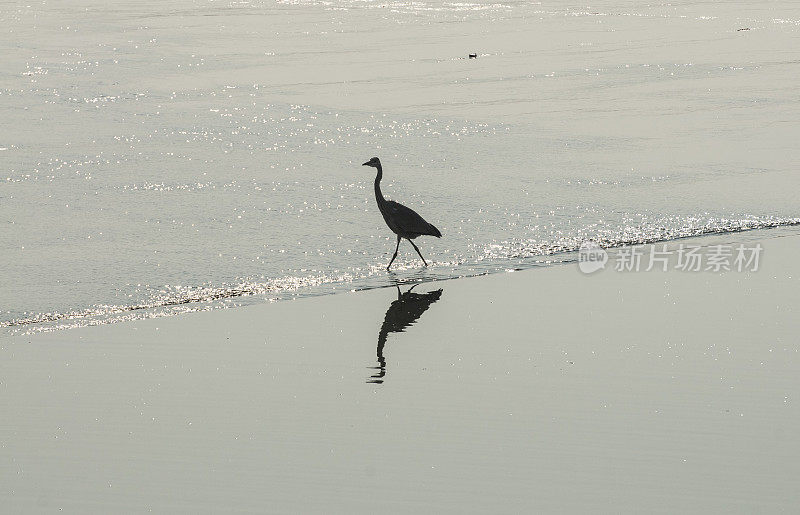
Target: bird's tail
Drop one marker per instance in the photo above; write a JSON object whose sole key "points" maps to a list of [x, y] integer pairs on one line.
{"points": [[434, 231]]}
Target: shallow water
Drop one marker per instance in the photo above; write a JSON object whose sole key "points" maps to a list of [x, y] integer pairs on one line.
{"points": [[158, 157]]}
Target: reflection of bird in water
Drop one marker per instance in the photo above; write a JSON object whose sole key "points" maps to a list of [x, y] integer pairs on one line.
{"points": [[403, 312], [403, 221]]}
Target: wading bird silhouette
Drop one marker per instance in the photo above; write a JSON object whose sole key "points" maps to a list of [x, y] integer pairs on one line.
{"points": [[403, 221]]}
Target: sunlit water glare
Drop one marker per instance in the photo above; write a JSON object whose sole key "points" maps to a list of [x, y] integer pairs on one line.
{"points": [[157, 159]]}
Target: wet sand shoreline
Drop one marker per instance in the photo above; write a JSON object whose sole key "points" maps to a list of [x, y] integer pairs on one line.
{"points": [[545, 390]]}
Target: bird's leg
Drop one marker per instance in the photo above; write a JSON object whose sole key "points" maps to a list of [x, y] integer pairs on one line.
{"points": [[395, 253], [418, 252]]}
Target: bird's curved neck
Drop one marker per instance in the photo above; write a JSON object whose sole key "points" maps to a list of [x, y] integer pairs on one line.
{"points": [[378, 194]]}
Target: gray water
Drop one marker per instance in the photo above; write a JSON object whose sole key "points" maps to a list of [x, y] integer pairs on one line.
{"points": [[163, 157]]}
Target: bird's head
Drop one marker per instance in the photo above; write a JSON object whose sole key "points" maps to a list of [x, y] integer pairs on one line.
{"points": [[373, 162]]}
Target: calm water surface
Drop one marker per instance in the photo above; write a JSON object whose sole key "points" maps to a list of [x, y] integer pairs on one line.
{"points": [[163, 157]]}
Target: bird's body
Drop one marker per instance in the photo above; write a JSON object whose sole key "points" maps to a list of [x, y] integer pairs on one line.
{"points": [[405, 222], [402, 220]]}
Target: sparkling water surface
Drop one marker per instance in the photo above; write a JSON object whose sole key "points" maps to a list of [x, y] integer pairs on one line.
{"points": [[163, 157]]}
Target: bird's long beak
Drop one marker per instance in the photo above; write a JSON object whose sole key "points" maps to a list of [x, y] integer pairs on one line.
{"points": [[365, 164]]}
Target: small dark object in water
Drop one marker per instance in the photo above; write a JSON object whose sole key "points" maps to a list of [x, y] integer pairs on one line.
{"points": [[473, 56], [746, 28]]}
